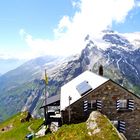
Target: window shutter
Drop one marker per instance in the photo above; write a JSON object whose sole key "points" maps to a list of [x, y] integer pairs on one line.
{"points": [[131, 104], [118, 104], [99, 105], [121, 126], [85, 107]]}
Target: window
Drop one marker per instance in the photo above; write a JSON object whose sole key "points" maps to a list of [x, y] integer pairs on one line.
{"points": [[125, 105], [92, 105], [115, 123], [96, 105], [120, 125], [83, 87]]}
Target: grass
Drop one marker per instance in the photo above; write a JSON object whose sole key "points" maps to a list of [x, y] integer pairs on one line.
{"points": [[80, 132], [19, 130], [66, 132], [69, 132]]}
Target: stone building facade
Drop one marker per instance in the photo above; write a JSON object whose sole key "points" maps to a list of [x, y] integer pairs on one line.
{"points": [[118, 104]]}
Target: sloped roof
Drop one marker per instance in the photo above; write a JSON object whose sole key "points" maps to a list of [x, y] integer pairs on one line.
{"points": [[52, 101], [69, 89]]}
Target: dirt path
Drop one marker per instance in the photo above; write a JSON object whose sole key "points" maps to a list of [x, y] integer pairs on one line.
{"points": [[30, 129]]}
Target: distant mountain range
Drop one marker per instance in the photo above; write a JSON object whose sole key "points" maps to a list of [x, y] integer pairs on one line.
{"points": [[9, 64], [23, 87]]}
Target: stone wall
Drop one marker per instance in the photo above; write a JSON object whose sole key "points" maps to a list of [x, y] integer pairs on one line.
{"points": [[109, 93]]}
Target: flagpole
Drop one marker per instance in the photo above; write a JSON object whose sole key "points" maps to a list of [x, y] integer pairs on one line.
{"points": [[45, 108], [45, 88]]}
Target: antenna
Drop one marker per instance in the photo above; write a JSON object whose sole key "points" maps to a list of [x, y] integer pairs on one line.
{"points": [[69, 109]]}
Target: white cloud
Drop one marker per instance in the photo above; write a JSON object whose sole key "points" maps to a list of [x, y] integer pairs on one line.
{"points": [[63, 27], [22, 32], [76, 4], [91, 17]]}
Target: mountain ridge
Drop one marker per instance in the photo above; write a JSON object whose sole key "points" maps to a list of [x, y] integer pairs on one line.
{"points": [[22, 87]]}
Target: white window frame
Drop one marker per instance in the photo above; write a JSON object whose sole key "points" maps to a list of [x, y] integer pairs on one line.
{"points": [[125, 104]]}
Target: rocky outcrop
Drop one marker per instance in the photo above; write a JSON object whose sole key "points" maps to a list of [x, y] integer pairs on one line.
{"points": [[99, 126]]}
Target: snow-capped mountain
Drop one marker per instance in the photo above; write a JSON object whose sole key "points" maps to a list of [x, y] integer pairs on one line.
{"points": [[134, 38], [23, 88], [120, 53]]}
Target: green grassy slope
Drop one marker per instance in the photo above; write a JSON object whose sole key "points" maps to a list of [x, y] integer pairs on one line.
{"points": [[19, 130], [80, 131], [15, 130]]}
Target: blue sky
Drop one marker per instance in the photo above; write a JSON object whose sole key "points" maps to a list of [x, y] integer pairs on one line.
{"points": [[30, 28], [38, 17], [131, 23]]}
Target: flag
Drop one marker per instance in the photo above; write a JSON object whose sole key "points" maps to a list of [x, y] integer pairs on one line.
{"points": [[46, 79]]}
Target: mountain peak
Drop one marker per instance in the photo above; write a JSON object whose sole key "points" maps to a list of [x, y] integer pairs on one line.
{"points": [[108, 31]]}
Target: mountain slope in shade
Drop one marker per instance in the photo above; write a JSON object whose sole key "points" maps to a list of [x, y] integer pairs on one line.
{"points": [[21, 84], [23, 88], [9, 64]]}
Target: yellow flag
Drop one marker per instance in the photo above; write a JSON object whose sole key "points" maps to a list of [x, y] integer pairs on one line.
{"points": [[46, 79]]}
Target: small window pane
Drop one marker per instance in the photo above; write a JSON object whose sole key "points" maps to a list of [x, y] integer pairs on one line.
{"points": [[93, 104], [123, 104], [115, 123]]}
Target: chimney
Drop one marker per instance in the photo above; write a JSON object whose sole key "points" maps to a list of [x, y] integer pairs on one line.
{"points": [[101, 70]]}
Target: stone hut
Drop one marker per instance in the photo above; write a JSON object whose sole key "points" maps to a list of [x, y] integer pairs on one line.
{"points": [[89, 92]]}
